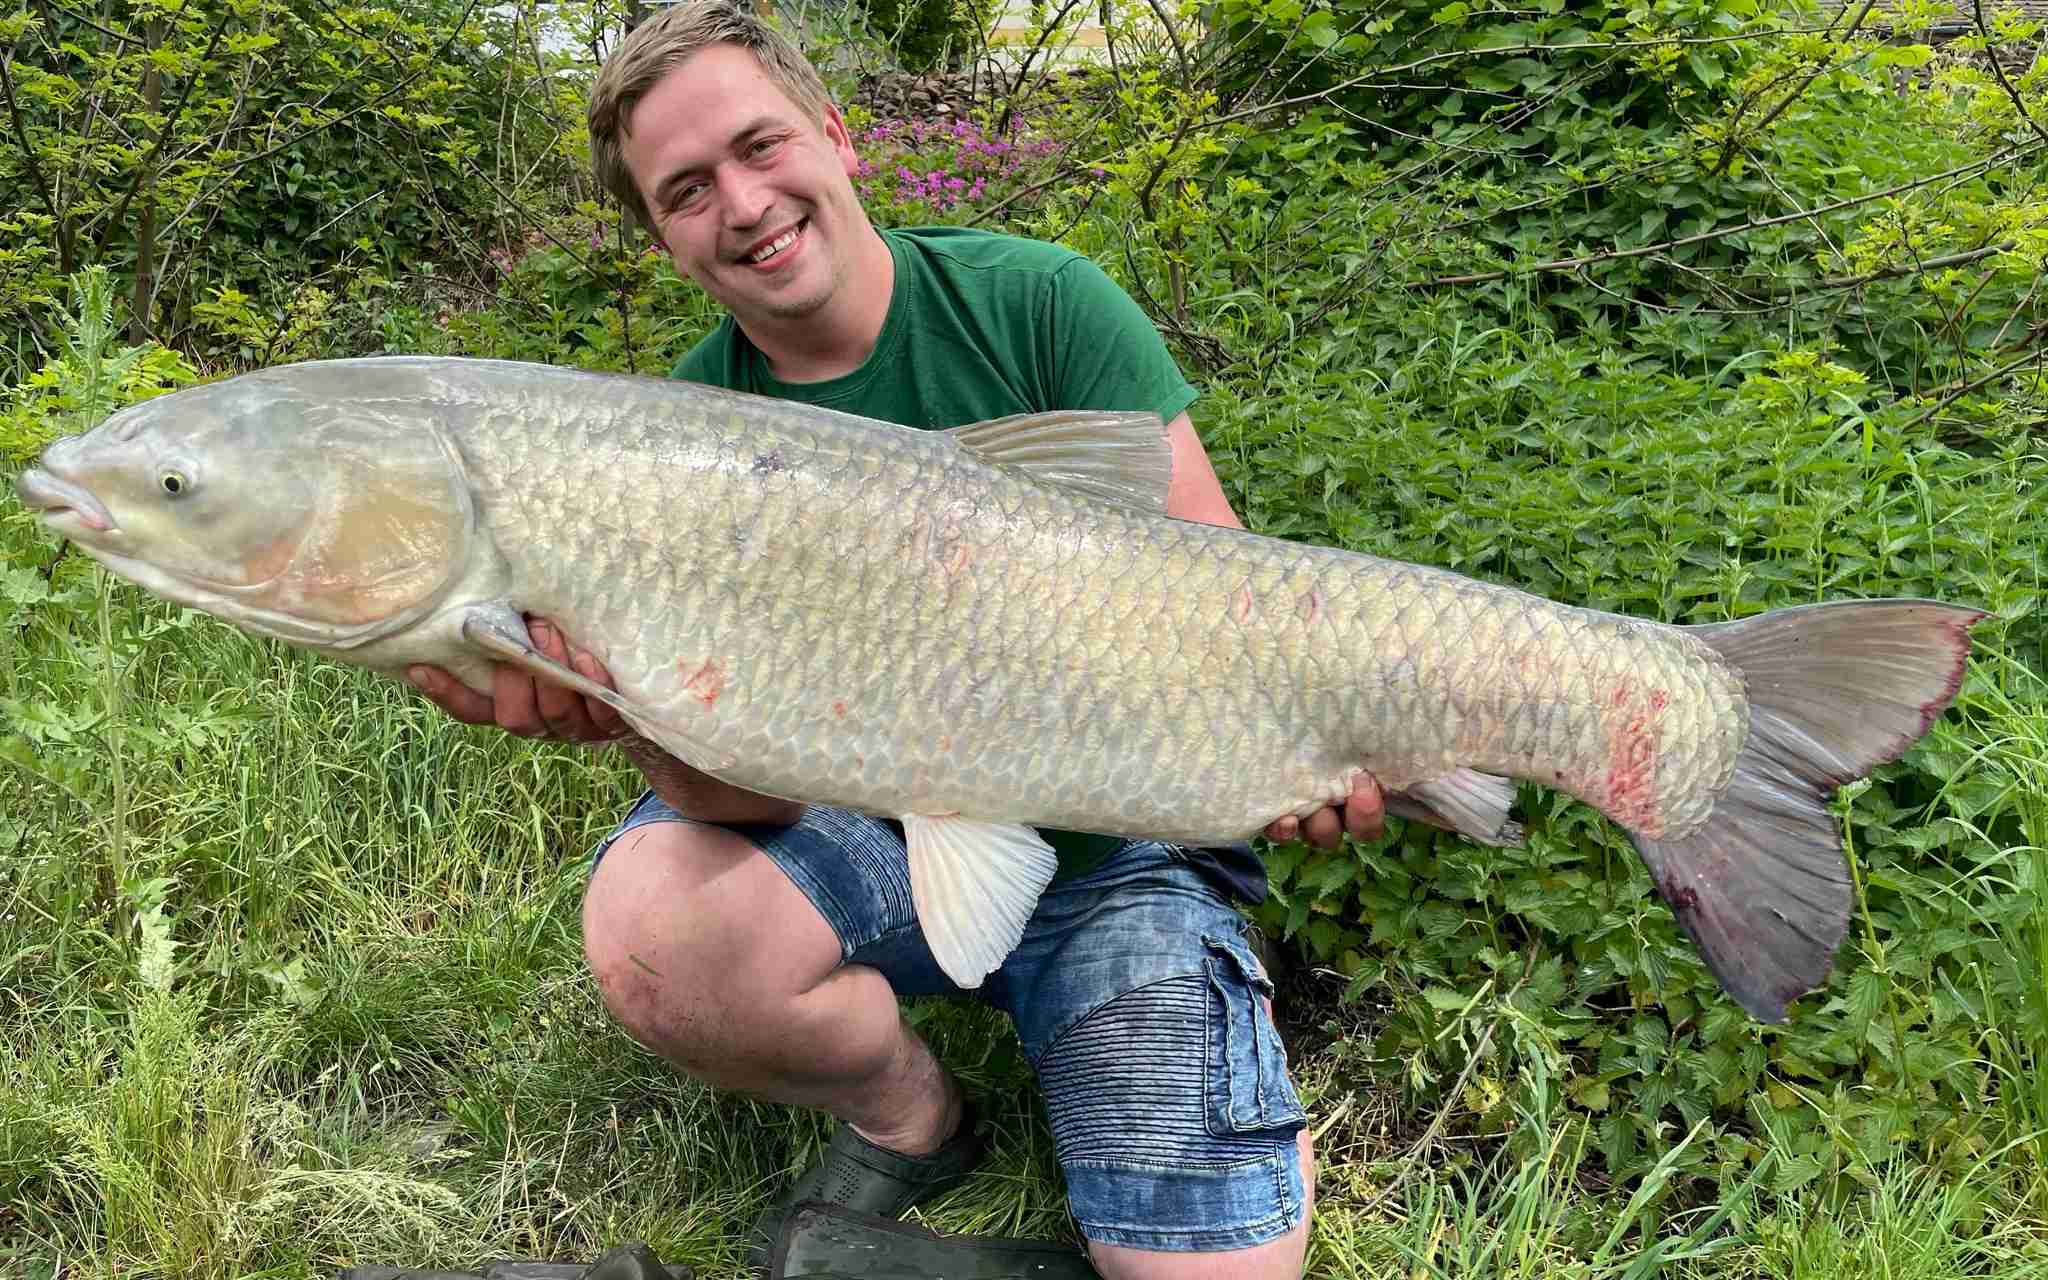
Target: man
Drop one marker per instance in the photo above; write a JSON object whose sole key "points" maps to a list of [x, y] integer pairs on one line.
{"points": [[762, 946]]}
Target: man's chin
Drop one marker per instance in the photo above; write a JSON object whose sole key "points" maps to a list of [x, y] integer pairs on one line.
{"points": [[796, 308], [796, 303]]}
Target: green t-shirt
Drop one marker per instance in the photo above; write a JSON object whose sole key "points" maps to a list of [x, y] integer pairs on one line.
{"points": [[982, 326]]}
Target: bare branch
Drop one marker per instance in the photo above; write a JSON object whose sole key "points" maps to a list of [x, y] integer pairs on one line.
{"points": [[1999, 339], [1916, 268], [1973, 384], [1735, 139], [1180, 50], [1369, 77], [108, 32], [1014, 94], [309, 131]]}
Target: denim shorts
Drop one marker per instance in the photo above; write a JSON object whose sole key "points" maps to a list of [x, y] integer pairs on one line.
{"points": [[1138, 1002]]}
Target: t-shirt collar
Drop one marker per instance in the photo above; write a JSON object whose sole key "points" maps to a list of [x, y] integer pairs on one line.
{"points": [[849, 384]]}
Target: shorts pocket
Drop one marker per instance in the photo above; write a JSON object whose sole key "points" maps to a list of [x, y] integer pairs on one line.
{"points": [[1248, 1090]]}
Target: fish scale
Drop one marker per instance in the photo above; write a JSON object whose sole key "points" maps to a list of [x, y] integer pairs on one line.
{"points": [[997, 627]]}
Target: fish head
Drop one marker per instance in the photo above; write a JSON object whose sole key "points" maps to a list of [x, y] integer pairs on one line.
{"points": [[269, 502]]}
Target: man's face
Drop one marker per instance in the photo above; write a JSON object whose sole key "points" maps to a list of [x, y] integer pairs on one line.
{"points": [[752, 199]]}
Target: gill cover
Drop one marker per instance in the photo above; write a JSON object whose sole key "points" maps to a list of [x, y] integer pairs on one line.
{"points": [[389, 528]]}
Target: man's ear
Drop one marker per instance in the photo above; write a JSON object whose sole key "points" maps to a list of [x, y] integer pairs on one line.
{"points": [[841, 139]]}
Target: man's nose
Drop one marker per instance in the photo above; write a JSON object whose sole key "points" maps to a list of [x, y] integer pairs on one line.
{"points": [[747, 198]]}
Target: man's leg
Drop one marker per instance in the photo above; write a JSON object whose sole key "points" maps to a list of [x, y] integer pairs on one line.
{"points": [[708, 953], [1275, 1260], [1148, 1017]]}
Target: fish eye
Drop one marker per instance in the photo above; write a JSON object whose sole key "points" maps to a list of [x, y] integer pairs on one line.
{"points": [[174, 483]]}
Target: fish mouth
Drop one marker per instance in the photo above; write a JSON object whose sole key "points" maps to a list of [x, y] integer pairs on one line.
{"points": [[54, 498]]}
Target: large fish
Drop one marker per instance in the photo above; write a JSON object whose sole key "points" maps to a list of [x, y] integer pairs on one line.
{"points": [[983, 630]]}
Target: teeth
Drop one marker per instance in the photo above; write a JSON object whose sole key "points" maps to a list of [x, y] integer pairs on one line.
{"points": [[775, 246]]}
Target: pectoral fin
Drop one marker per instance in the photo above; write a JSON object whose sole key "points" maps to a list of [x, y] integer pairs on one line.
{"points": [[501, 633], [974, 884]]}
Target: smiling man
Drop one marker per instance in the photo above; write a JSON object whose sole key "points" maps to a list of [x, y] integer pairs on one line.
{"points": [[762, 946]]}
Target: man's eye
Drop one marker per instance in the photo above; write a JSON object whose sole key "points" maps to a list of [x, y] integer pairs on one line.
{"points": [[764, 146]]}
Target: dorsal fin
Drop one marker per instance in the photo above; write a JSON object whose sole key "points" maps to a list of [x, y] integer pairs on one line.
{"points": [[1123, 458]]}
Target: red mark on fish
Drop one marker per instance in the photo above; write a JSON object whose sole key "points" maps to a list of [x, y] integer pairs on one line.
{"points": [[1633, 718], [706, 682], [1241, 603]]}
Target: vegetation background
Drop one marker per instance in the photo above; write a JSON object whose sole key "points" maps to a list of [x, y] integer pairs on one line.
{"points": [[1683, 308]]}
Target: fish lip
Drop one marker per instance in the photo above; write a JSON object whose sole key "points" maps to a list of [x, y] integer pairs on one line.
{"points": [[52, 496]]}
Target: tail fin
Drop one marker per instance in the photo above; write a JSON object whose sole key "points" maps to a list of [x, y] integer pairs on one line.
{"points": [[1834, 691]]}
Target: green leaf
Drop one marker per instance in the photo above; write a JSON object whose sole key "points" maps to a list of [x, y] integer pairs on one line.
{"points": [[156, 951], [1868, 989], [1445, 1000]]}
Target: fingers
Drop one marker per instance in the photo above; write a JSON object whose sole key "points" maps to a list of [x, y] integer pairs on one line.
{"points": [[1365, 810], [565, 713], [451, 695], [1362, 816], [609, 724], [531, 708], [561, 711], [1324, 829]]}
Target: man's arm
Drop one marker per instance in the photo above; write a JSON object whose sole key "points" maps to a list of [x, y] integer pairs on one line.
{"points": [[531, 708], [1195, 494]]}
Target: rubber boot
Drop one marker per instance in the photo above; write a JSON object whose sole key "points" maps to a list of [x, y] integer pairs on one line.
{"points": [[826, 1242], [858, 1175]]}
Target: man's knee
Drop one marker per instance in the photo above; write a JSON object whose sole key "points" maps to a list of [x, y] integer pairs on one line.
{"points": [[686, 926]]}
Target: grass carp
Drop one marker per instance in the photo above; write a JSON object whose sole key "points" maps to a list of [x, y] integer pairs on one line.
{"points": [[995, 628]]}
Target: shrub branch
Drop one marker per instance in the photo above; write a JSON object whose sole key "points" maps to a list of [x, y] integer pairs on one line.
{"points": [[1991, 56]]}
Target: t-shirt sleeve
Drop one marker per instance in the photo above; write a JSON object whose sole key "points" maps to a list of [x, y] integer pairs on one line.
{"points": [[1105, 352]]}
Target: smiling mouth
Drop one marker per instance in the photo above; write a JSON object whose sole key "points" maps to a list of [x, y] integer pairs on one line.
{"points": [[51, 498], [776, 247]]}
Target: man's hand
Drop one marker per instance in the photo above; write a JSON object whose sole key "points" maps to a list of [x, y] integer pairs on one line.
{"points": [[1362, 816], [532, 708]]}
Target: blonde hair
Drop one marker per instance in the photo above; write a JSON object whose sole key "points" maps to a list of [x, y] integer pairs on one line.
{"points": [[662, 44]]}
